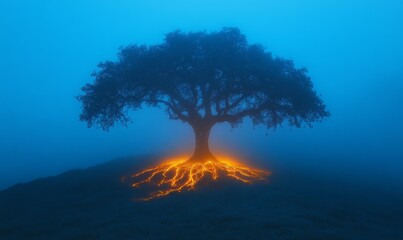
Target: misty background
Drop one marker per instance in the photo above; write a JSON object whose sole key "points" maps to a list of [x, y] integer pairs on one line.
{"points": [[352, 49]]}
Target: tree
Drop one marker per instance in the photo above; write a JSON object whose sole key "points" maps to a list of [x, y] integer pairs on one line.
{"points": [[202, 79]]}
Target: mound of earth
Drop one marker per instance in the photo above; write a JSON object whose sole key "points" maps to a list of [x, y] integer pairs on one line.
{"points": [[94, 204]]}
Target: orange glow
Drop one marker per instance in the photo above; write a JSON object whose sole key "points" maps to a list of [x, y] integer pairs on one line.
{"points": [[181, 174]]}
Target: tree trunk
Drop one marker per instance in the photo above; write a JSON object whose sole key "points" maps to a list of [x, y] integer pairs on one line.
{"points": [[202, 151]]}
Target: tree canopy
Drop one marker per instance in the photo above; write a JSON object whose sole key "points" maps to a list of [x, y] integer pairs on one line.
{"points": [[202, 78]]}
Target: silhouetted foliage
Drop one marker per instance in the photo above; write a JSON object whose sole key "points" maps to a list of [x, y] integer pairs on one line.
{"points": [[202, 79]]}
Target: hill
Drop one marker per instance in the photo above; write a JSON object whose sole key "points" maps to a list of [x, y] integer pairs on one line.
{"points": [[94, 204]]}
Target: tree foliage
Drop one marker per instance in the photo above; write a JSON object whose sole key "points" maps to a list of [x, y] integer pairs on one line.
{"points": [[202, 79]]}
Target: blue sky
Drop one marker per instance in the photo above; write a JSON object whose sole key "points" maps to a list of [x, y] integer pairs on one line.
{"points": [[353, 50]]}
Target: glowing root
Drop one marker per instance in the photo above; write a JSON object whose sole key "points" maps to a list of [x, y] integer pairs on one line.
{"points": [[178, 175]]}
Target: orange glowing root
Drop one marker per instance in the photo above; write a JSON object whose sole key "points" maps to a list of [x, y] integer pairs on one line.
{"points": [[178, 175]]}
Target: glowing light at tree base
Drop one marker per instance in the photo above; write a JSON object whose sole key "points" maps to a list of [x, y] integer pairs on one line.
{"points": [[182, 174]]}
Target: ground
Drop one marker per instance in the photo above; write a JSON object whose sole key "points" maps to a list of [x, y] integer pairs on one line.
{"points": [[94, 204]]}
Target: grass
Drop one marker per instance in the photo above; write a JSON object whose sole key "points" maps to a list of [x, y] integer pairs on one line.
{"points": [[94, 204]]}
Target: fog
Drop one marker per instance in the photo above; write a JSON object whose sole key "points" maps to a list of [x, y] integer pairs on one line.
{"points": [[352, 49]]}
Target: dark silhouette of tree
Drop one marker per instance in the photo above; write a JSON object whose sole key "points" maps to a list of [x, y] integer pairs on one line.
{"points": [[202, 79]]}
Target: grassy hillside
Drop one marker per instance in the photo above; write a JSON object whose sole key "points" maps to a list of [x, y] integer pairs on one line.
{"points": [[94, 204]]}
